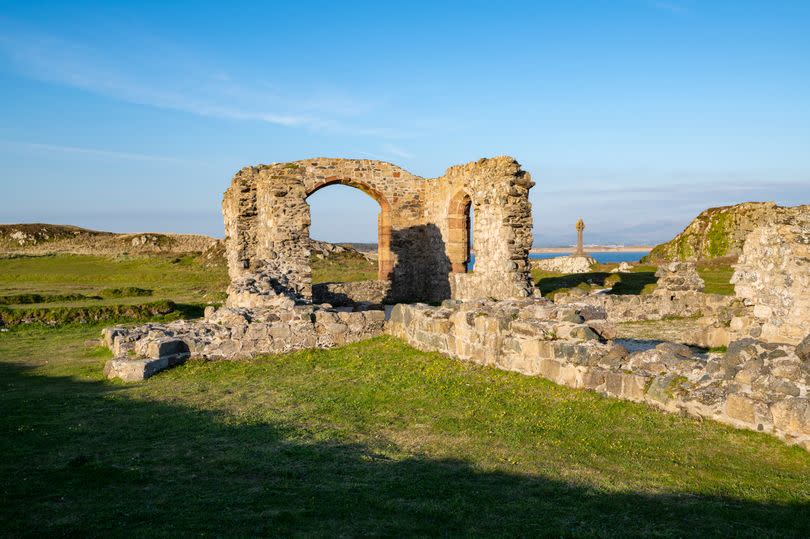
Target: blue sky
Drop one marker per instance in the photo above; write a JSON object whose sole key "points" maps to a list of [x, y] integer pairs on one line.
{"points": [[633, 114]]}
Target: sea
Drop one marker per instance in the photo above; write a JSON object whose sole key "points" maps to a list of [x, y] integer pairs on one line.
{"points": [[612, 257]]}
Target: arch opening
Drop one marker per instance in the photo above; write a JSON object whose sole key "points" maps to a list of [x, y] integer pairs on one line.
{"points": [[459, 226], [385, 262]]}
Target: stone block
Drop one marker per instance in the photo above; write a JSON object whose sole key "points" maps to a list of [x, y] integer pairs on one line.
{"points": [[715, 337], [108, 335], [282, 330], [634, 386], [803, 349], [174, 350], [593, 378], [550, 368], [569, 376], [613, 383], [792, 415], [134, 370], [660, 390], [740, 408]]}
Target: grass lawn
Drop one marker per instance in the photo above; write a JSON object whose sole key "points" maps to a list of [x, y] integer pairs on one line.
{"points": [[63, 288], [641, 280], [717, 276], [343, 268], [374, 438], [183, 280]]}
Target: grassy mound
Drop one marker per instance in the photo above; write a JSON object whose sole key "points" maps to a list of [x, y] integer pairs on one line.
{"points": [[58, 316]]}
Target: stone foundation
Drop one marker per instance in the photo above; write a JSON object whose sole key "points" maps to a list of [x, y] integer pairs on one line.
{"points": [[631, 308], [757, 386], [232, 333]]}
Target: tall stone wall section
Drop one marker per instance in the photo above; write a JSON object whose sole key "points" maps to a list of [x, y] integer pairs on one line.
{"points": [[772, 276], [498, 191], [267, 223]]}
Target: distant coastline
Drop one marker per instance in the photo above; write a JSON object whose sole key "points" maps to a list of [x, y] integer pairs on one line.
{"points": [[594, 249]]}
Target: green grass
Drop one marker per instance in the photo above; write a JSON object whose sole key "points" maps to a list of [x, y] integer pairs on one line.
{"points": [[60, 289], [717, 276], [375, 439], [125, 292], [343, 267], [641, 280], [118, 280], [56, 316], [634, 283]]}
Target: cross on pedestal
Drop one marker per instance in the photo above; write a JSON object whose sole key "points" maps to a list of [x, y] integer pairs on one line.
{"points": [[580, 226]]}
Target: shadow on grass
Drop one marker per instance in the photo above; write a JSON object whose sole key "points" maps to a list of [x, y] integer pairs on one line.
{"points": [[629, 283], [190, 310], [79, 459]]}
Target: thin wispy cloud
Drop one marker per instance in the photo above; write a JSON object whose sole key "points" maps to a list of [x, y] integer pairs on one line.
{"points": [[55, 148], [176, 81]]}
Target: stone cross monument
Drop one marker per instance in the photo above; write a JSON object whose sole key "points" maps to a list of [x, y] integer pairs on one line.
{"points": [[580, 226]]}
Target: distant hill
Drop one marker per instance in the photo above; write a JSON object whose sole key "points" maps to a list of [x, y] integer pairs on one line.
{"points": [[39, 239], [45, 239], [721, 232]]}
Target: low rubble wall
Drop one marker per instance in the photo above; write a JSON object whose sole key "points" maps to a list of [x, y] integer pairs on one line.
{"points": [[755, 385], [628, 308], [232, 333], [564, 264]]}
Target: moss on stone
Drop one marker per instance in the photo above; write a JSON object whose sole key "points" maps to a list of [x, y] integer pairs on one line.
{"points": [[717, 235]]}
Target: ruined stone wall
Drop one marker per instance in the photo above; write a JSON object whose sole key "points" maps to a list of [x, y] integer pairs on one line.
{"points": [[498, 191], [773, 277], [267, 225], [755, 385], [233, 333], [632, 308]]}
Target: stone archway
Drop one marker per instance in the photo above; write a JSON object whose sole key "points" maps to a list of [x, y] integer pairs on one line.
{"points": [[458, 229], [385, 259], [267, 222]]}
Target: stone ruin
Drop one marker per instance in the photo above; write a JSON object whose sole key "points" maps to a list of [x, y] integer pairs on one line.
{"points": [[773, 278], [424, 231], [493, 316]]}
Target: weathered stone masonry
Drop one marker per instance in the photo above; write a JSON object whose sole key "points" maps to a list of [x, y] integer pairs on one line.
{"points": [[422, 228], [423, 249], [756, 385]]}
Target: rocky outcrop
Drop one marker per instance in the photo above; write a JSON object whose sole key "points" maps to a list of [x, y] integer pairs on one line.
{"points": [[772, 276], [757, 386], [721, 232], [564, 264]]}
